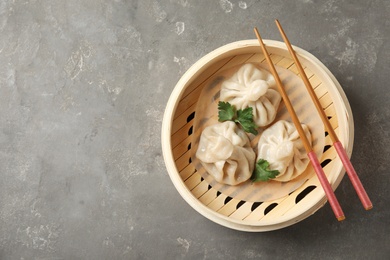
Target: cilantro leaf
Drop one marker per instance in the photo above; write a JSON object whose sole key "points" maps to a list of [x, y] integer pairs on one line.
{"points": [[262, 172], [226, 111], [245, 119]]}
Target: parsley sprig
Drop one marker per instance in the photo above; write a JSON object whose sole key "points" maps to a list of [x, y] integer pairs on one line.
{"points": [[227, 112], [262, 172]]}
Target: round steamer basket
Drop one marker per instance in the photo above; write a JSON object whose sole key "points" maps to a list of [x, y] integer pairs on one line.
{"points": [[177, 134]]}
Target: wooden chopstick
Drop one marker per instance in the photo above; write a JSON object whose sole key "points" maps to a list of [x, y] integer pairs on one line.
{"points": [[311, 154], [361, 192]]}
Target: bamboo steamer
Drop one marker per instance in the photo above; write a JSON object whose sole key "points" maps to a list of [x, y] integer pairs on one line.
{"points": [[178, 133]]}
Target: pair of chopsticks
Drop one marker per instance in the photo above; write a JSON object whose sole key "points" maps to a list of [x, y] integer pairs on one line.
{"points": [[309, 150]]}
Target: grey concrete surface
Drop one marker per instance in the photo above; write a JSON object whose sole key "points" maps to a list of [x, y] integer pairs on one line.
{"points": [[83, 87]]}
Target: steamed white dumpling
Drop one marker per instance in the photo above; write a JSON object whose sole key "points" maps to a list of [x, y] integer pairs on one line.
{"points": [[282, 147], [252, 87], [225, 152]]}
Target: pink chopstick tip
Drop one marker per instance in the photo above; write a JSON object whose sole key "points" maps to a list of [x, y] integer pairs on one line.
{"points": [[341, 218], [361, 192], [334, 204]]}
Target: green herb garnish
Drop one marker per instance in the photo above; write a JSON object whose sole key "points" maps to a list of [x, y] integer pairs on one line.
{"points": [[262, 172], [227, 112], [245, 119]]}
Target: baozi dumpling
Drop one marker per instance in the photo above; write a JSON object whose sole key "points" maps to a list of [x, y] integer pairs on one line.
{"points": [[252, 87], [225, 152], [282, 147]]}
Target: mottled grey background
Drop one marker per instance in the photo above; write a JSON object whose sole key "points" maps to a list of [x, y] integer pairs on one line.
{"points": [[83, 87]]}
